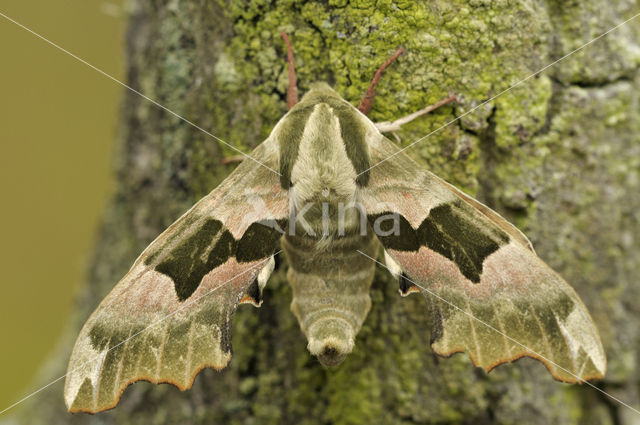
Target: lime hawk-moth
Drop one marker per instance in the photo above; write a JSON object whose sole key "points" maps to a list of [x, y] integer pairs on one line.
{"points": [[328, 189]]}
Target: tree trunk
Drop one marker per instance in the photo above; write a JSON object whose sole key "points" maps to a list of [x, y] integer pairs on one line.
{"points": [[559, 155]]}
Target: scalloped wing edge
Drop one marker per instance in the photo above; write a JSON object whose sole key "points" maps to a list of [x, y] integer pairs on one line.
{"points": [[176, 384]]}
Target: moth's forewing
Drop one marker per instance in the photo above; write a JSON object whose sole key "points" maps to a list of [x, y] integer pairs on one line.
{"points": [[169, 316], [490, 294]]}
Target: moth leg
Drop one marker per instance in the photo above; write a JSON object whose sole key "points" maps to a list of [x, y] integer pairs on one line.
{"points": [[367, 100], [406, 287], [254, 291], [292, 90], [232, 159], [292, 93], [391, 126]]}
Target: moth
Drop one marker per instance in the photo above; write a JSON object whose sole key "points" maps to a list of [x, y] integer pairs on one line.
{"points": [[328, 189]]}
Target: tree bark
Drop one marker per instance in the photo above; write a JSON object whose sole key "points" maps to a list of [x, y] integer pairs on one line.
{"points": [[559, 155]]}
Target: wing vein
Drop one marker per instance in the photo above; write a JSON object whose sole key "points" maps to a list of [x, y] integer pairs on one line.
{"points": [[568, 343], [187, 372], [121, 364], [141, 353], [545, 341], [96, 388], [163, 341], [504, 332], [473, 333]]}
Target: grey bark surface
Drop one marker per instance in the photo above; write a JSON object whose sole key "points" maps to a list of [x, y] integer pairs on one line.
{"points": [[559, 155]]}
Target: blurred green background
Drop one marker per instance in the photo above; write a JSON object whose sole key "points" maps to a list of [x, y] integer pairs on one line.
{"points": [[58, 123]]}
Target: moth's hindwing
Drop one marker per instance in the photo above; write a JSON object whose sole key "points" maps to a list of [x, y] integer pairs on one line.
{"points": [[491, 295], [169, 317]]}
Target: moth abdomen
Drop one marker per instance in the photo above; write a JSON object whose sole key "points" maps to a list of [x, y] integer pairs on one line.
{"points": [[330, 292], [332, 339]]}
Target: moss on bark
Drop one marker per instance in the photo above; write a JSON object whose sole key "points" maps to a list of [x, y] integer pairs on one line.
{"points": [[558, 154]]}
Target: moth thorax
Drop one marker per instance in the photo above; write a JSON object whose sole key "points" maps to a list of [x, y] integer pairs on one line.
{"points": [[321, 162], [328, 220]]}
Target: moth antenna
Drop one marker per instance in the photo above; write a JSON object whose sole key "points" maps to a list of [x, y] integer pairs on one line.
{"points": [[393, 126], [292, 90], [367, 100]]}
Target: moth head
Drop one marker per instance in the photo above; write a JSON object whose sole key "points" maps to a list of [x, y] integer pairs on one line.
{"points": [[320, 92]]}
